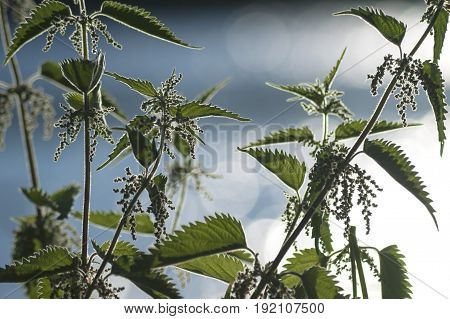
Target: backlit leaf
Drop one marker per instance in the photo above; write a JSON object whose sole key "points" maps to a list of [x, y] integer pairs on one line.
{"points": [[331, 76], [144, 149], [354, 128], [285, 166], [297, 135], [110, 220], [392, 29], [140, 20], [394, 161], [39, 21], [433, 83], [45, 262], [196, 109], [83, 74], [439, 29], [142, 87], [393, 275]]}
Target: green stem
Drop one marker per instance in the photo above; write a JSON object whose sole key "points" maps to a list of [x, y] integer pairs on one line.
{"points": [[354, 282], [127, 213], [325, 127], [318, 200], [355, 257], [87, 150], [21, 110], [180, 204]]}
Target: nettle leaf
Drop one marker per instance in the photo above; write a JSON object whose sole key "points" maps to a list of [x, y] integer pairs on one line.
{"points": [[122, 145], [209, 94], [298, 135], [60, 201], [321, 230], [140, 20], [439, 29], [298, 264], [49, 261], [433, 84], [134, 265], [285, 166], [142, 87], [110, 220], [144, 149], [83, 74], [318, 283], [332, 75], [354, 128], [302, 91], [217, 234], [392, 29], [182, 146], [242, 255], [394, 161], [39, 22], [222, 267], [195, 109], [51, 72], [393, 274]]}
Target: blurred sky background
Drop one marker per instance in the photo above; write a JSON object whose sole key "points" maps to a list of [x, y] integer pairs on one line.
{"points": [[252, 42]]}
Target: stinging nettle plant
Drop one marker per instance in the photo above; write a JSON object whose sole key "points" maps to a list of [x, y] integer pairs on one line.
{"points": [[168, 126]]}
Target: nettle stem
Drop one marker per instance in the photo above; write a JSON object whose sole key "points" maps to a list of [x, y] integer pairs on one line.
{"points": [[87, 149], [326, 187], [127, 214], [21, 110]]}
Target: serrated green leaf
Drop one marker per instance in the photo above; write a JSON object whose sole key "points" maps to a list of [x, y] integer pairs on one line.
{"points": [[393, 275], [110, 220], [433, 83], [144, 149], [140, 20], [320, 284], [285, 166], [208, 95], [332, 75], [354, 128], [195, 109], [439, 30], [51, 72], [394, 161], [83, 74], [302, 91], [64, 199], [142, 87], [299, 135], [242, 255], [298, 264], [122, 248], [60, 201], [39, 21], [222, 267], [122, 145], [321, 230], [45, 262], [181, 145], [135, 266], [216, 234], [392, 29]]}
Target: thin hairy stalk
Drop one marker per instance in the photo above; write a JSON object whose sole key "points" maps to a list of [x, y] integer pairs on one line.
{"points": [[354, 282], [327, 185], [325, 127], [87, 149], [21, 111], [127, 213], [362, 279], [180, 204]]}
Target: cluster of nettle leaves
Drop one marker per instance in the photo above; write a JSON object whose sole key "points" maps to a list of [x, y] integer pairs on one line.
{"points": [[216, 247]]}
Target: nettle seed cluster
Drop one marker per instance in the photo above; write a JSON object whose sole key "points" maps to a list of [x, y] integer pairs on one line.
{"points": [[93, 26], [70, 124], [168, 104], [75, 284], [431, 9], [348, 182], [407, 85], [247, 280], [36, 103]]}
